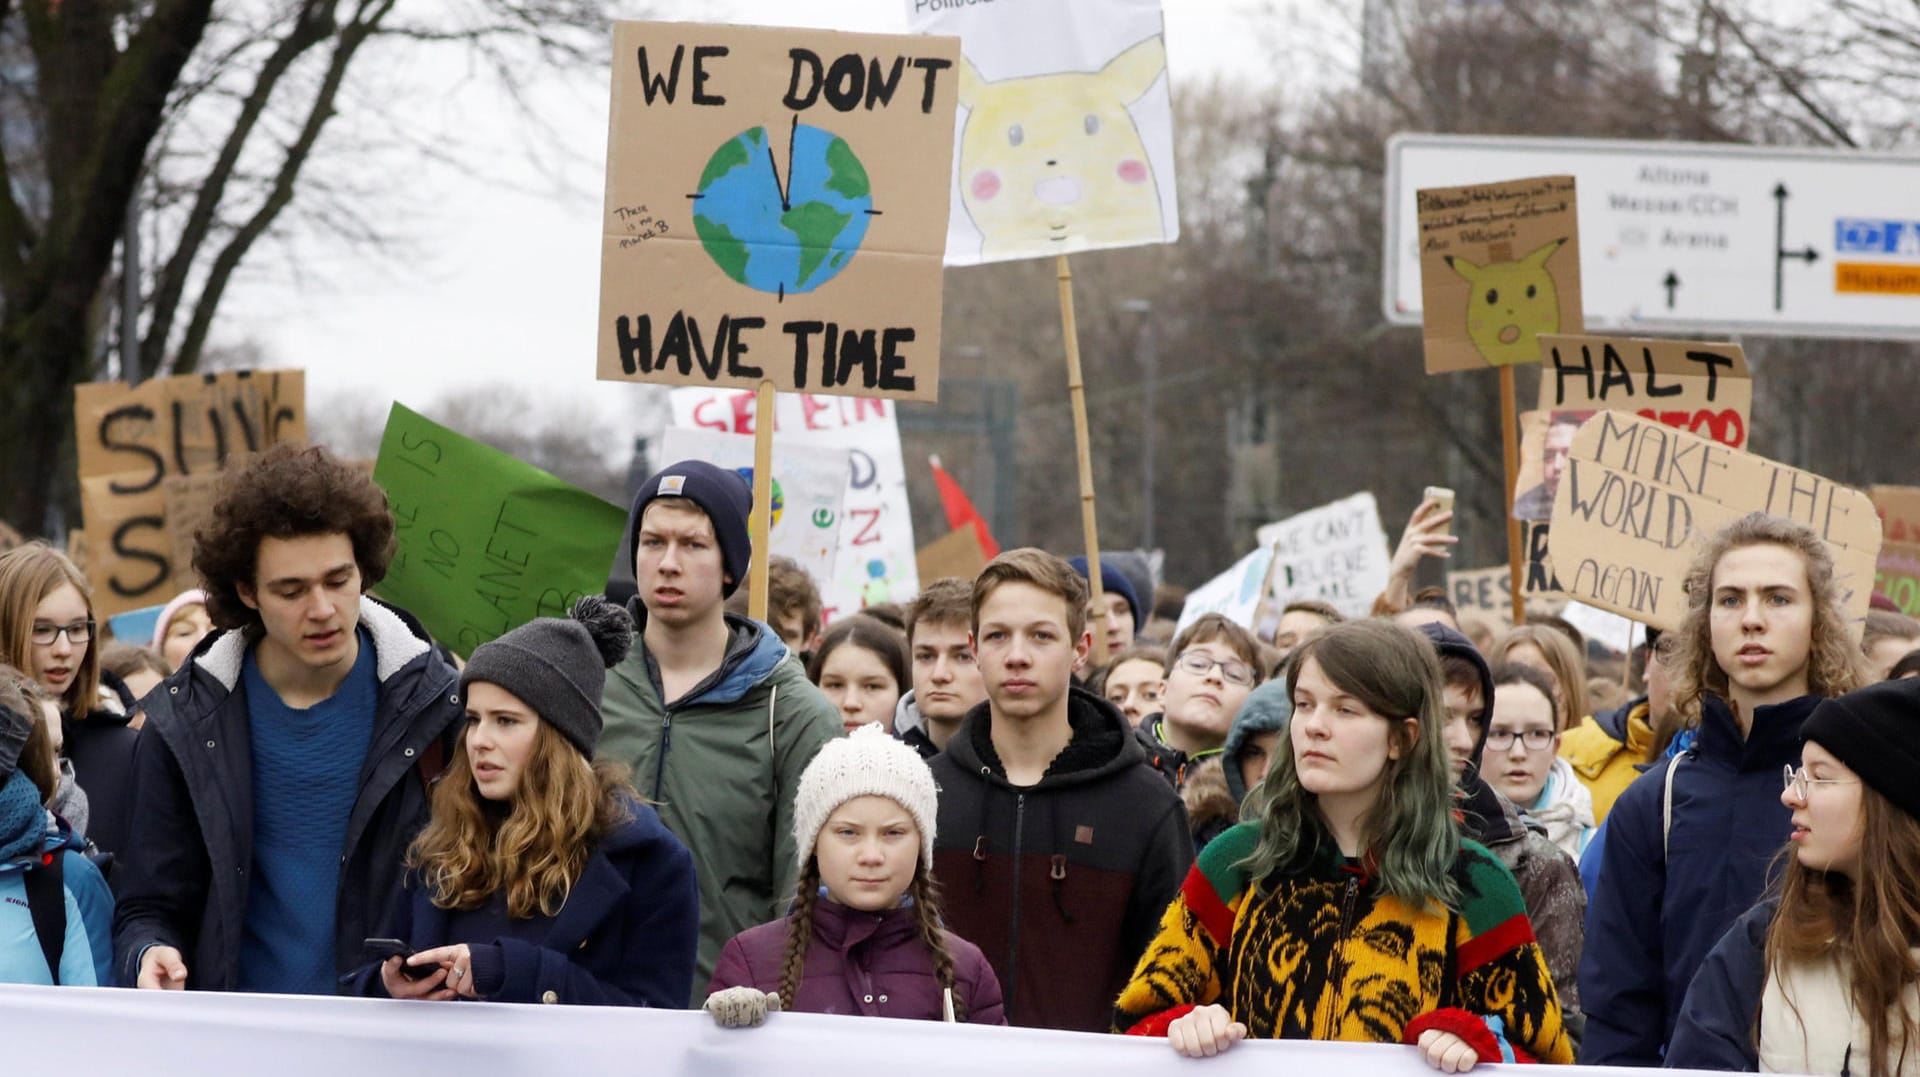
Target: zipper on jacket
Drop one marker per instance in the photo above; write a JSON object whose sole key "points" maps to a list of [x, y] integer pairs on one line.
{"points": [[660, 761], [1338, 967], [1013, 928]]}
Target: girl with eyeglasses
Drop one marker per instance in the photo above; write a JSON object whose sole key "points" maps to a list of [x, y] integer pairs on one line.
{"points": [[48, 630], [1352, 908], [1823, 977], [1521, 757]]}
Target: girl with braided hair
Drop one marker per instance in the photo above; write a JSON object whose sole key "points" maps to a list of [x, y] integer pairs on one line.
{"points": [[863, 936]]}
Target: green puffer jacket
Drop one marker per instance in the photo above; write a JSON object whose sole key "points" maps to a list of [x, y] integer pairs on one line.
{"points": [[722, 765]]}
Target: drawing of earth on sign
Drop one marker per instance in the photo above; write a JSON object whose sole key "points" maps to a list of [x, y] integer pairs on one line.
{"points": [[783, 227]]}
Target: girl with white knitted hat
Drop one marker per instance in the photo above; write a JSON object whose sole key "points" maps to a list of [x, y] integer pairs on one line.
{"points": [[864, 934]]}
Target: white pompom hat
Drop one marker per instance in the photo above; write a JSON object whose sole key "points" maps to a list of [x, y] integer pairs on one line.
{"points": [[867, 762]]}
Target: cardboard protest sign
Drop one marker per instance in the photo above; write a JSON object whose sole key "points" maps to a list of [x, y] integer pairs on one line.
{"points": [[189, 503], [1234, 594], [956, 553], [1639, 496], [1489, 592], [1897, 575], [1702, 388], [1337, 553], [809, 489], [1538, 577], [1899, 508], [876, 559], [486, 542], [776, 208], [1499, 266], [131, 440], [1065, 141]]}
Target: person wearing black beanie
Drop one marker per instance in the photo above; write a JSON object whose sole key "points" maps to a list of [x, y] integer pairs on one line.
{"points": [[1822, 977], [540, 876], [709, 708]]}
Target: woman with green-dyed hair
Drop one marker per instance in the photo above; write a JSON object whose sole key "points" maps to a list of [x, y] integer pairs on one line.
{"points": [[1349, 907]]}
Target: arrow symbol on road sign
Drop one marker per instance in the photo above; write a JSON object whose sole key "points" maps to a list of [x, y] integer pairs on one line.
{"points": [[1673, 285], [1780, 251]]}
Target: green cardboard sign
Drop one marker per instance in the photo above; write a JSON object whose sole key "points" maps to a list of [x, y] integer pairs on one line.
{"points": [[486, 541]]}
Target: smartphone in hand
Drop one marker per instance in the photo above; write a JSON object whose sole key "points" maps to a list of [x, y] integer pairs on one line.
{"points": [[1443, 496], [381, 949]]}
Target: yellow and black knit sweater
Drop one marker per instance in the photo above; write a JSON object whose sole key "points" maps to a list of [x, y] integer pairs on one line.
{"points": [[1322, 954]]}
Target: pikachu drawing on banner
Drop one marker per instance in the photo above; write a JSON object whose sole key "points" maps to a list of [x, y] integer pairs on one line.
{"points": [[1511, 304], [1065, 138]]}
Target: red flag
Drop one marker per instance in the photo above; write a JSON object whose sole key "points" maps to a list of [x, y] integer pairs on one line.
{"points": [[960, 510]]}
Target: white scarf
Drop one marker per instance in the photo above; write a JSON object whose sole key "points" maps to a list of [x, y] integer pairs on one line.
{"points": [[1565, 808]]}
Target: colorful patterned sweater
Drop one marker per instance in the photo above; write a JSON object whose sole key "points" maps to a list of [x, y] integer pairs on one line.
{"points": [[1322, 954]]}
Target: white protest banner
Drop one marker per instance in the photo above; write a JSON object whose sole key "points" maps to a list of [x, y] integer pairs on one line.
{"points": [[809, 489], [1235, 593], [1638, 497], [1608, 629], [199, 1034], [1336, 553], [1065, 140], [875, 562], [776, 208]]}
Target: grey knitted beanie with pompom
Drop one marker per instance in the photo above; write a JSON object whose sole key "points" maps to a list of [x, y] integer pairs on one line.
{"points": [[558, 666]]}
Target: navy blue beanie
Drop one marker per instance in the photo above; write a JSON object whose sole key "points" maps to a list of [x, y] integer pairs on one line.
{"points": [[723, 495], [1114, 582]]}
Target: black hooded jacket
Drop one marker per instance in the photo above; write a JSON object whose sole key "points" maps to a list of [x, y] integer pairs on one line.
{"points": [[1062, 883]]}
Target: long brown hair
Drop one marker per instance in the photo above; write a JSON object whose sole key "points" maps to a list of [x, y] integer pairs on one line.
{"points": [[28, 574], [926, 906], [1869, 925], [534, 846], [1563, 657], [1835, 665], [19, 694]]}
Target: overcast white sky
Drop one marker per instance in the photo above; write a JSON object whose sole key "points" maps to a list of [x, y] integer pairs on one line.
{"points": [[500, 286]]}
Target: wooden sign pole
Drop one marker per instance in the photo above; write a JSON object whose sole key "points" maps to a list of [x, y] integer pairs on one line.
{"points": [[1510, 450], [760, 522], [1077, 392]]}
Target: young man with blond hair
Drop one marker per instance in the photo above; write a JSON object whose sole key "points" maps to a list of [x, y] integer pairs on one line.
{"points": [[1058, 845]]}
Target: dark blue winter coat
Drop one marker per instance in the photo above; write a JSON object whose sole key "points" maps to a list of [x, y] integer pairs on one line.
{"points": [[182, 880], [1717, 1019], [625, 937], [1655, 913]]}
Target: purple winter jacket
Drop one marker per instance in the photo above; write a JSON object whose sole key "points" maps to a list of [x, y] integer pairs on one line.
{"points": [[864, 963]]}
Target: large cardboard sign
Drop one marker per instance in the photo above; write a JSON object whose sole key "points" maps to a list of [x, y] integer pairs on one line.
{"points": [[1639, 496], [486, 542], [875, 562], [133, 440], [1702, 388], [1234, 594], [956, 553], [1499, 267], [1065, 141], [776, 208], [809, 490], [1337, 553]]}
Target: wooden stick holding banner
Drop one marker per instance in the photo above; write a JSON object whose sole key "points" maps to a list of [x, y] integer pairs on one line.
{"points": [[1077, 392], [1510, 452], [760, 522]]}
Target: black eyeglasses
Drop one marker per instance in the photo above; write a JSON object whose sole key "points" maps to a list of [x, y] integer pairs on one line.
{"points": [[44, 634], [1200, 663], [1501, 740]]}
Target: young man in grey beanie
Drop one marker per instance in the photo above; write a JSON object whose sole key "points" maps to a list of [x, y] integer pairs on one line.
{"points": [[715, 715]]}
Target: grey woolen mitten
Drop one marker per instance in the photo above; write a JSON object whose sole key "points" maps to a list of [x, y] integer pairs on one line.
{"points": [[741, 1007]]}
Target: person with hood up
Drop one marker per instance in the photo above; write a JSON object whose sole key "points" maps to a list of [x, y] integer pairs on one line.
{"points": [[56, 915], [864, 937], [715, 715], [1823, 977], [1059, 846], [540, 877], [1549, 880], [1216, 788]]}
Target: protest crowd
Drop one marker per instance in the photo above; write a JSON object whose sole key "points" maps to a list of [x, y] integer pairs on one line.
{"points": [[1367, 829]]}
